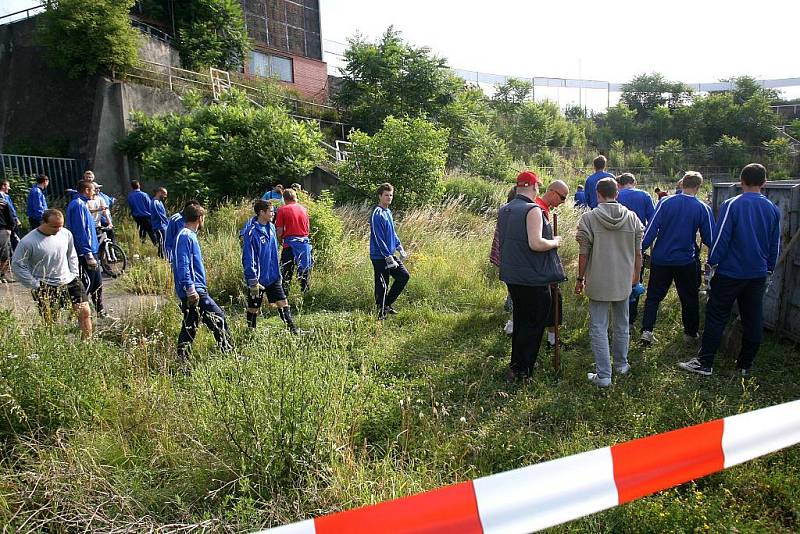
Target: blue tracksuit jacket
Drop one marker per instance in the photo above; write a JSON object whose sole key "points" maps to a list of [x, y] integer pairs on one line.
{"points": [[174, 226], [383, 239], [580, 198], [187, 265], [10, 203], [139, 202], [158, 216], [260, 256], [79, 221], [748, 237], [639, 202], [590, 187], [674, 228], [37, 203]]}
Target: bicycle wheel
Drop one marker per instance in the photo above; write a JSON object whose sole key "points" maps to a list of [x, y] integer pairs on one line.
{"points": [[113, 260]]}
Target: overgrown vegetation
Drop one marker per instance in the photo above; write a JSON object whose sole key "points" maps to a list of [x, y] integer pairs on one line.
{"points": [[100, 436], [86, 37], [223, 149]]}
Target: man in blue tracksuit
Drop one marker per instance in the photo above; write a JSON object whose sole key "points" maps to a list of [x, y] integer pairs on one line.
{"points": [[674, 228], [174, 226], [80, 222], [262, 268], [590, 187], [158, 218], [189, 275], [641, 204], [140, 204], [37, 202], [383, 243], [580, 197], [746, 246]]}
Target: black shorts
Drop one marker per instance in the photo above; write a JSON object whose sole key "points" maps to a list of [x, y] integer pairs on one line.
{"points": [[56, 297], [274, 293]]}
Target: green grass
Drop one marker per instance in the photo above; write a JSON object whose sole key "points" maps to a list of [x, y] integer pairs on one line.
{"points": [[102, 435]]}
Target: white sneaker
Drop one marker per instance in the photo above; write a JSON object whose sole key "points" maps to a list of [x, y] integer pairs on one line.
{"points": [[647, 337], [623, 369], [597, 381], [509, 327]]}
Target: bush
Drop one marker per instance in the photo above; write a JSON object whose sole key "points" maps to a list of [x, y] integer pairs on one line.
{"points": [[669, 156], [86, 37], [326, 227], [489, 157], [477, 193], [211, 33], [408, 153], [730, 152], [779, 157], [636, 159], [223, 149]]}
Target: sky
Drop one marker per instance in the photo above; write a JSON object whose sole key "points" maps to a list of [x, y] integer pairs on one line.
{"points": [[687, 40]]}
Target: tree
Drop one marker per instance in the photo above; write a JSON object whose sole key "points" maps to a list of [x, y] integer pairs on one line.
{"points": [[410, 153], [779, 157], [469, 108], [746, 87], [227, 148], [489, 157], [86, 37], [211, 33], [393, 78], [646, 92], [511, 93]]}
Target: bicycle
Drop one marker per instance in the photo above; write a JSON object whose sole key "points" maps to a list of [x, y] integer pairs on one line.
{"points": [[113, 259]]}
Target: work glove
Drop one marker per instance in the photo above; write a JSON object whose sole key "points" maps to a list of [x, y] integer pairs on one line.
{"points": [[255, 291], [91, 262], [391, 263], [402, 252], [192, 299], [637, 290]]}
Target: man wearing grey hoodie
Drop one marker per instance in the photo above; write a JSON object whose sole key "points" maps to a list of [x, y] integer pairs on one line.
{"points": [[610, 258]]}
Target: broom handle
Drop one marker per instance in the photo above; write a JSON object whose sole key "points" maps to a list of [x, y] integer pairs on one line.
{"points": [[556, 311]]}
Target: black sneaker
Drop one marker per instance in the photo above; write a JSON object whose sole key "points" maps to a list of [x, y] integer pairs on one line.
{"points": [[390, 310], [382, 314], [695, 366]]}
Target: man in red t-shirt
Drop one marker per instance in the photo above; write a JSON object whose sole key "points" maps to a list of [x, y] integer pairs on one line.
{"points": [[293, 225]]}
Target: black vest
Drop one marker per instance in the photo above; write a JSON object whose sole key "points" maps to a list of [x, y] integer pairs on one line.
{"points": [[519, 265]]}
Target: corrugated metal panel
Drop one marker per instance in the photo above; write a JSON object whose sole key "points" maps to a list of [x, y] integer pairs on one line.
{"points": [[782, 301]]}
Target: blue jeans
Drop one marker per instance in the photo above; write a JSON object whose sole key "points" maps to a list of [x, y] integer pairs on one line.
{"points": [[749, 294], [598, 334], [212, 316]]}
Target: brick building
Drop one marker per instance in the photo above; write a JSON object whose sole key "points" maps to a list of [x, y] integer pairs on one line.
{"points": [[287, 44]]}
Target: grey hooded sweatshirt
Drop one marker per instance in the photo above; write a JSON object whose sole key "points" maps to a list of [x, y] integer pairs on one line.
{"points": [[609, 235]]}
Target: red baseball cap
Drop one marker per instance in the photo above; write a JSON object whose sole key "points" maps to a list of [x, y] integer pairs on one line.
{"points": [[527, 178]]}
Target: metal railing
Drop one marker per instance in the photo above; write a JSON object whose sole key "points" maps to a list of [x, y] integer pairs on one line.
{"points": [[63, 172], [217, 81], [31, 11]]}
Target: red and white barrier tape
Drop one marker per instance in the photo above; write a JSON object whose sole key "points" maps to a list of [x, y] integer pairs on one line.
{"points": [[540, 496]]}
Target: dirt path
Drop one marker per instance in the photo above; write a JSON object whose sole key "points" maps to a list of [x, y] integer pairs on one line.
{"points": [[17, 298]]}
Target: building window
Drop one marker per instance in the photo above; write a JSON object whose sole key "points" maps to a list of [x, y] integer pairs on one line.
{"points": [[271, 66]]}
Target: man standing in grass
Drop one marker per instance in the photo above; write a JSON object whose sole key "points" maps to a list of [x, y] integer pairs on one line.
{"points": [[5, 194], [293, 226], [383, 243], [189, 274], [590, 188], [262, 270], [158, 218], [174, 226], [46, 263], [140, 204], [84, 231], [609, 262], [674, 230], [747, 242], [641, 204], [529, 264], [37, 202], [6, 230]]}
